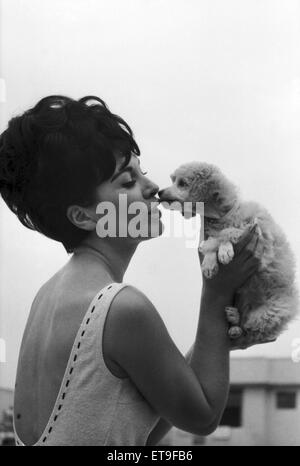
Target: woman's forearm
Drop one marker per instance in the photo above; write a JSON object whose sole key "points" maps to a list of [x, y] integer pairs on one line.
{"points": [[209, 355]]}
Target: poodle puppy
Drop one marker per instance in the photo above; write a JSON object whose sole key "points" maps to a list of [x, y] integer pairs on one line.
{"points": [[268, 301]]}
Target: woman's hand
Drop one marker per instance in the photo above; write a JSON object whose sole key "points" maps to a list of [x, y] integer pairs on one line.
{"points": [[242, 343], [232, 276]]}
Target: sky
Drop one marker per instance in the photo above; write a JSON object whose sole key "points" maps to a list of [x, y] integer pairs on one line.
{"points": [[196, 80]]}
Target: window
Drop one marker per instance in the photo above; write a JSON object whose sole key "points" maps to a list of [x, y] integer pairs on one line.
{"points": [[232, 415], [286, 400]]}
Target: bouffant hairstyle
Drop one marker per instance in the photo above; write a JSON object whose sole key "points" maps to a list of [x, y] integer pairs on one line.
{"points": [[56, 154]]}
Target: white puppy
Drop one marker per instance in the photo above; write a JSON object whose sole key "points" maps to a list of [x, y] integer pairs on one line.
{"points": [[269, 299]]}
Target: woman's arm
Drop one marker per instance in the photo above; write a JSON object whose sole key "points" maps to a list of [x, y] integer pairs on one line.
{"points": [[210, 354], [189, 396], [212, 359], [163, 426]]}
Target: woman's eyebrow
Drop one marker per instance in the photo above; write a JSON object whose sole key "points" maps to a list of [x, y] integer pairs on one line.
{"points": [[124, 168]]}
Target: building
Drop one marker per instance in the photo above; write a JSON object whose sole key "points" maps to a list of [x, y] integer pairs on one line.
{"points": [[6, 399], [263, 406], [6, 417]]}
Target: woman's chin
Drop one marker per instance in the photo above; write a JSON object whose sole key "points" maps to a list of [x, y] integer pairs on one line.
{"points": [[155, 229]]}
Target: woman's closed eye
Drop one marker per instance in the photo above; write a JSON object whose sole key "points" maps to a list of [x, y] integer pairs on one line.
{"points": [[130, 184]]}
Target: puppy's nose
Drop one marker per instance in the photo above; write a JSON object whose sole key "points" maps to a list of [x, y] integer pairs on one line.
{"points": [[160, 192]]}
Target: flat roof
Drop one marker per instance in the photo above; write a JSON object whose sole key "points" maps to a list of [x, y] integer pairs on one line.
{"points": [[264, 371], [253, 371], [6, 390]]}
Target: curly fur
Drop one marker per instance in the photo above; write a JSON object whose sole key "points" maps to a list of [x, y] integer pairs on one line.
{"points": [[269, 299]]}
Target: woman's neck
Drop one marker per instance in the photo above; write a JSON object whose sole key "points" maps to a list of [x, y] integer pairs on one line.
{"points": [[113, 255]]}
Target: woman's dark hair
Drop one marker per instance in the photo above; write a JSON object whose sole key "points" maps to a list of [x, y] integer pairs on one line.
{"points": [[55, 155]]}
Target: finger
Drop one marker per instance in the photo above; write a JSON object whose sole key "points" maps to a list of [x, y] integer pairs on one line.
{"points": [[244, 239], [201, 239], [201, 256], [267, 341], [246, 255], [238, 299], [241, 343], [252, 267], [232, 315], [259, 248], [249, 249], [251, 261], [251, 246], [254, 248]]}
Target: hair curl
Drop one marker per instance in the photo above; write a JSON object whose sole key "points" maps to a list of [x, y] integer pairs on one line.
{"points": [[55, 155]]}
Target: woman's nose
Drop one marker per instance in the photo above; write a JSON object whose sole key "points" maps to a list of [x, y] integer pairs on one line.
{"points": [[160, 192], [152, 189]]}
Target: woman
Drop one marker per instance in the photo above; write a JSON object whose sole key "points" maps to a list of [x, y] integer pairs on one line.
{"points": [[86, 376]]}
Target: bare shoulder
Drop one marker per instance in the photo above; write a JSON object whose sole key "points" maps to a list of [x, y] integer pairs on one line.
{"points": [[131, 315], [130, 295], [131, 304]]}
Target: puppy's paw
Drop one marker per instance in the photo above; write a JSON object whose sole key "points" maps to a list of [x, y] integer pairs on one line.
{"points": [[201, 247], [232, 315], [235, 332], [234, 234], [258, 231], [225, 252]]}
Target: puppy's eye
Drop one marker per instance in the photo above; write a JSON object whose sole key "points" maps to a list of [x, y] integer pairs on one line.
{"points": [[182, 183]]}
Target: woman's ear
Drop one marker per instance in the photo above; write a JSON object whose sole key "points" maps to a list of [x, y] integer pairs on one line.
{"points": [[82, 217]]}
